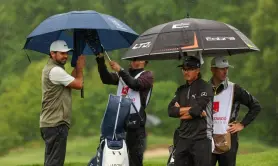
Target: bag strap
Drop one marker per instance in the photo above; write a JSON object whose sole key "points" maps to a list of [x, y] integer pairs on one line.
{"points": [[232, 103], [136, 110]]}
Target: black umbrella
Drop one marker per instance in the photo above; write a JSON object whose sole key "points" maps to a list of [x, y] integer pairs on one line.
{"points": [[211, 38]]}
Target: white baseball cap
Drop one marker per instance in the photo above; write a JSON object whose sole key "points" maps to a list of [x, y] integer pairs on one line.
{"points": [[60, 45], [220, 62]]}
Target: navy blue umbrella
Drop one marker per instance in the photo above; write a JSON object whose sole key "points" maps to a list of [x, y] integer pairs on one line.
{"points": [[113, 33], [86, 31]]}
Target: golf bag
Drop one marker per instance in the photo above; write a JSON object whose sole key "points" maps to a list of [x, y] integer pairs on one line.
{"points": [[172, 148], [112, 150]]}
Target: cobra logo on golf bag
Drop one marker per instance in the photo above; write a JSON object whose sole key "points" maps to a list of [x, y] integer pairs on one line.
{"points": [[220, 38], [142, 45], [116, 152]]}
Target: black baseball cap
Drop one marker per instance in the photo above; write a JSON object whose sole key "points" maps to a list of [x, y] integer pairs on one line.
{"points": [[191, 62]]}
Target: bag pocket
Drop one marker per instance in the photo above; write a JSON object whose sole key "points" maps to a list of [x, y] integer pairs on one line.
{"points": [[222, 143]]}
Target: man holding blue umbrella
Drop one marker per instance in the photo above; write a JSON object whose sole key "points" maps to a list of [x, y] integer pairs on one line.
{"points": [[85, 31], [55, 117], [80, 29]]}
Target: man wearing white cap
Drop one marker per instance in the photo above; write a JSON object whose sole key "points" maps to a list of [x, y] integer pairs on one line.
{"points": [[55, 116], [228, 97]]}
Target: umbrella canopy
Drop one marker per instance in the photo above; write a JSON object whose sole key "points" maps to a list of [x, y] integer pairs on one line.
{"points": [[87, 32], [167, 41], [113, 33]]}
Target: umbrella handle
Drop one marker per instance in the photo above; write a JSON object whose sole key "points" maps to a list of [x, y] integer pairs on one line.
{"points": [[82, 92], [110, 61]]}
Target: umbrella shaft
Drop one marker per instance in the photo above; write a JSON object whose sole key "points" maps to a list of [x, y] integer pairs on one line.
{"points": [[107, 56]]}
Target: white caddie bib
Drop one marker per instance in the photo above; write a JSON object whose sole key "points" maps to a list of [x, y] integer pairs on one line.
{"points": [[222, 106], [124, 90]]}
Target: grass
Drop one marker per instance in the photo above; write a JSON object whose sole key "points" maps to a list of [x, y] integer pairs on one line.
{"points": [[81, 150]]}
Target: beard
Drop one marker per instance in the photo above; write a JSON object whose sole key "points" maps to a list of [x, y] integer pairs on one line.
{"points": [[62, 62]]}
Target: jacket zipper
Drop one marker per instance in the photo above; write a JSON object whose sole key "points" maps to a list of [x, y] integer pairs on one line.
{"points": [[188, 92]]}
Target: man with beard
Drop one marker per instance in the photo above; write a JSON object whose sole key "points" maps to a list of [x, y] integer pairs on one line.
{"points": [[55, 117], [137, 84]]}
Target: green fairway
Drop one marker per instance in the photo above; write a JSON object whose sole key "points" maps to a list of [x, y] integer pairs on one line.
{"points": [[81, 150]]}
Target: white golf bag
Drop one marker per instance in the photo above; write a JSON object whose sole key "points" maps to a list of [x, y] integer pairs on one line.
{"points": [[112, 150]]}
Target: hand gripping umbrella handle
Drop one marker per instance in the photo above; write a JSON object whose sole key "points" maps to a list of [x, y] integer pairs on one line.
{"points": [[110, 61], [79, 45]]}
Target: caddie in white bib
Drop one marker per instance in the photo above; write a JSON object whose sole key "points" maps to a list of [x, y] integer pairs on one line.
{"points": [[124, 90], [222, 106]]}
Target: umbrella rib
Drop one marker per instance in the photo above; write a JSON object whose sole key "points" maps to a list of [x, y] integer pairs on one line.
{"points": [[125, 37], [234, 31], [111, 28], [156, 38], [105, 21], [226, 48], [199, 31], [60, 31]]}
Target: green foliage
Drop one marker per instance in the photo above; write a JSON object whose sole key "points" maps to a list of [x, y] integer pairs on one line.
{"points": [[163, 93], [20, 83]]}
